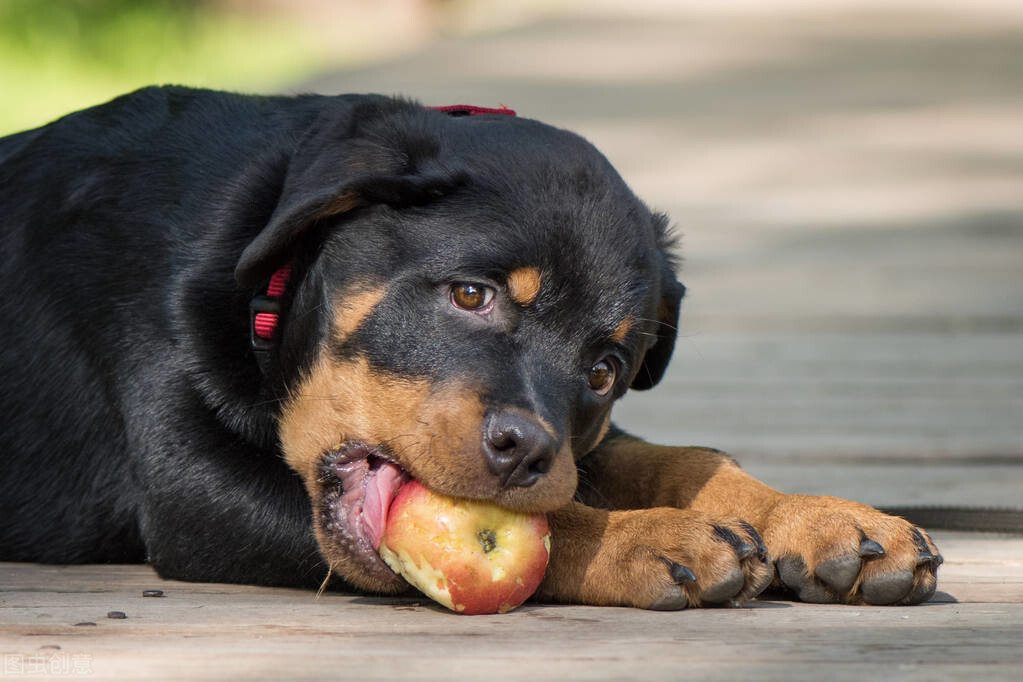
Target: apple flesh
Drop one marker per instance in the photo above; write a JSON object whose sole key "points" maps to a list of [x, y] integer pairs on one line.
{"points": [[470, 556]]}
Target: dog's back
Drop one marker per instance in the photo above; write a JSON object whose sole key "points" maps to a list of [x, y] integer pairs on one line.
{"points": [[98, 251]]}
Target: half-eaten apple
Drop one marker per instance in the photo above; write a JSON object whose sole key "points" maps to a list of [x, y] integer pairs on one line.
{"points": [[470, 556]]}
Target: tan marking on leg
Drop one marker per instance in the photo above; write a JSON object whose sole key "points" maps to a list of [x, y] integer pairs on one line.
{"points": [[622, 558], [622, 330], [624, 472], [353, 309], [524, 285]]}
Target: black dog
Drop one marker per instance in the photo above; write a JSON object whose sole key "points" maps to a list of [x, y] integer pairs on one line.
{"points": [[234, 325]]}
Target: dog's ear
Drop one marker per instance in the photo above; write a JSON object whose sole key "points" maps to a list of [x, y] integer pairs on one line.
{"points": [[655, 362], [381, 157]]}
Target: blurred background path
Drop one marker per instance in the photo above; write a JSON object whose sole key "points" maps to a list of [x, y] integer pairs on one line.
{"points": [[847, 179], [846, 175]]}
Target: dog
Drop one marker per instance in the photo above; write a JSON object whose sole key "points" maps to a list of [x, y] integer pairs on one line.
{"points": [[232, 320]]}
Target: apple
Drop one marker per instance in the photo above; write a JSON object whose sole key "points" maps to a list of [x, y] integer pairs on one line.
{"points": [[470, 556]]}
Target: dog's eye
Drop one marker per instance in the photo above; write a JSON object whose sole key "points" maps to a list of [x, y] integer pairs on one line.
{"points": [[475, 297], [602, 376]]}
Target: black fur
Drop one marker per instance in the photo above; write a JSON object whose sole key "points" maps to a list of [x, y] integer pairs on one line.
{"points": [[136, 423]]}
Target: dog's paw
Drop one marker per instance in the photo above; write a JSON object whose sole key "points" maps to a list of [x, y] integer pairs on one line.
{"points": [[663, 559], [828, 550], [701, 561]]}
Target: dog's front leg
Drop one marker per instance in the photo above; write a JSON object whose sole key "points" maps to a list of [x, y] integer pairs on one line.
{"points": [[660, 558], [825, 549]]}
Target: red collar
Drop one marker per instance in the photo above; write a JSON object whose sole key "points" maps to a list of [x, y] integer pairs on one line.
{"points": [[470, 110], [264, 314], [264, 320], [265, 310]]}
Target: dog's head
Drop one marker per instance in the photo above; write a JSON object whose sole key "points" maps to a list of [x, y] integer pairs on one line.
{"points": [[471, 296]]}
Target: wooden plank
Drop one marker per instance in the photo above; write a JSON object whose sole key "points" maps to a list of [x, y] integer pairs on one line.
{"points": [[839, 394], [270, 633], [213, 631]]}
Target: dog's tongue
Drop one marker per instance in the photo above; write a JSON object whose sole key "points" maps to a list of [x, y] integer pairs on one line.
{"points": [[381, 488]]}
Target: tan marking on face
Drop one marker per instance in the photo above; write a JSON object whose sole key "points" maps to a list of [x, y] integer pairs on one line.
{"points": [[622, 330], [348, 400], [433, 430], [353, 309], [548, 427], [524, 285]]}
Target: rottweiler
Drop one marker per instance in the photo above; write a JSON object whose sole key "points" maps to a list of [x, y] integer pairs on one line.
{"points": [[234, 325]]}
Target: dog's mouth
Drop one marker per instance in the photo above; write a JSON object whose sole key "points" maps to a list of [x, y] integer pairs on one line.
{"points": [[360, 482]]}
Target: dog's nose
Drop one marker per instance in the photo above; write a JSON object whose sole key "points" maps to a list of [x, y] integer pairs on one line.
{"points": [[518, 449]]}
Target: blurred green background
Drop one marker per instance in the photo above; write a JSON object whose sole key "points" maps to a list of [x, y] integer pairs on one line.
{"points": [[60, 55]]}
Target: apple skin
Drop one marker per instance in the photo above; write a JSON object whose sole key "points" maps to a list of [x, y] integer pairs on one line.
{"points": [[472, 557]]}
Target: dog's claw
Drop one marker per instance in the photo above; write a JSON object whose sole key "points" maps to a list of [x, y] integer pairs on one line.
{"points": [[871, 550], [755, 536], [745, 550], [681, 574]]}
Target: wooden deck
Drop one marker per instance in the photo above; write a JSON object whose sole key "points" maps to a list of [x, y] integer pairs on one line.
{"points": [[56, 615], [846, 177]]}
